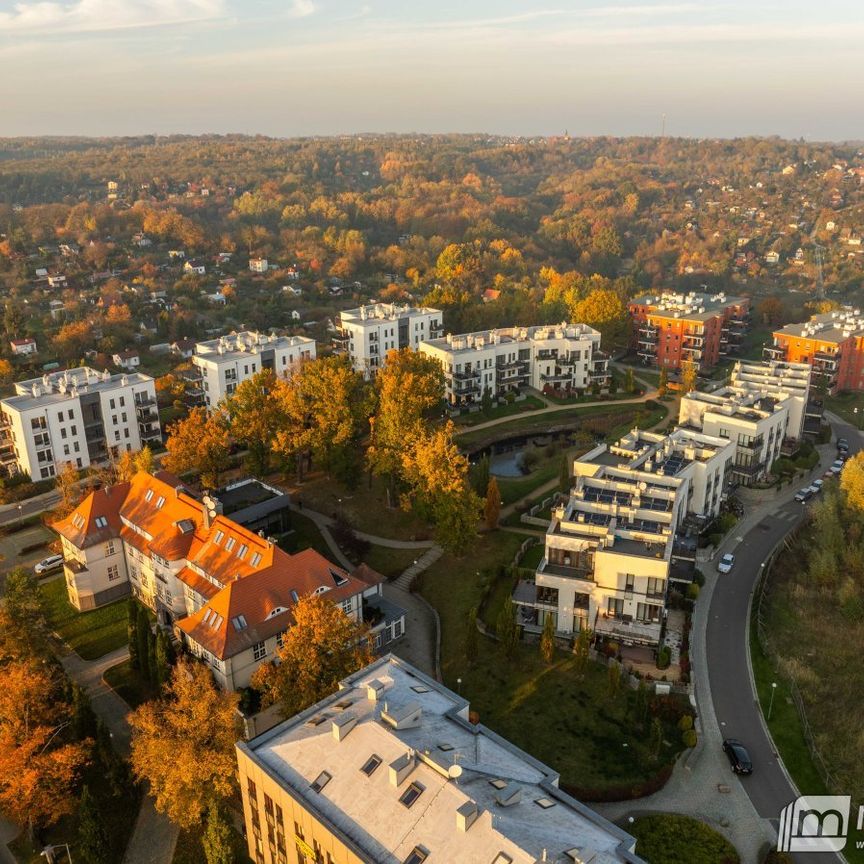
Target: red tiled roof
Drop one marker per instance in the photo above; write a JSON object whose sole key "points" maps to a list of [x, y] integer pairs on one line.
{"points": [[80, 527]]}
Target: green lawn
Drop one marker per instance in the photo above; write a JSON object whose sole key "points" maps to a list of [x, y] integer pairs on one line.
{"points": [[845, 404], [89, 634], [305, 535], [391, 562], [129, 685], [668, 838], [530, 403], [531, 559], [514, 488], [567, 719]]}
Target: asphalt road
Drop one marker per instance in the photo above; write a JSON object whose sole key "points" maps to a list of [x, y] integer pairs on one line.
{"points": [[28, 508], [726, 646]]}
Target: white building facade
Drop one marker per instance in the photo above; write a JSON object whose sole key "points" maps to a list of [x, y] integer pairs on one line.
{"points": [[367, 333], [228, 360], [564, 357], [80, 416], [608, 549]]}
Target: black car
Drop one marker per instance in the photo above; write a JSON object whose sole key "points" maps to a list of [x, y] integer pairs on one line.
{"points": [[842, 445], [739, 758]]}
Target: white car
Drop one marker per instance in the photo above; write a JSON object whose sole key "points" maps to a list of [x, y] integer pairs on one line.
{"points": [[836, 466], [726, 562], [817, 484], [49, 563]]}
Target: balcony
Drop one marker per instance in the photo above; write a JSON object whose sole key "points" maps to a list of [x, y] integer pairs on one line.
{"points": [[556, 377], [825, 362], [648, 330], [74, 566], [773, 352], [752, 446], [467, 375], [581, 573], [627, 629]]}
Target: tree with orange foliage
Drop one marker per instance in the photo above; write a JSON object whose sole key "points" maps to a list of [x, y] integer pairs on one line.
{"points": [[183, 744], [73, 340], [199, 443], [39, 765], [323, 646]]}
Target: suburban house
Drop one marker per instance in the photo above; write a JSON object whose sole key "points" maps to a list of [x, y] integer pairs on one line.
{"points": [[226, 590], [258, 265], [671, 329], [609, 547], [184, 348], [228, 360], [390, 768], [562, 357], [367, 333], [22, 347], [127, 359], [194, 266]]}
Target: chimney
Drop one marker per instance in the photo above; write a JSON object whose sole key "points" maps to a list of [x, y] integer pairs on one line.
{"points": [[466, 816]]}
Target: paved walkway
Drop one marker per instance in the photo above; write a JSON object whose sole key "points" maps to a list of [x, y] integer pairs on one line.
{"points": [[694, 788]]}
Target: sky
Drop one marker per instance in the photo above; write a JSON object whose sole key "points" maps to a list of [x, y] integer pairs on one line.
{"points": [[321, 67]]}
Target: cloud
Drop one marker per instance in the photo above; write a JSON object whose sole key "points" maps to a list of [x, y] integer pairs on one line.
{"points": [[302, 8], [81, 16]]}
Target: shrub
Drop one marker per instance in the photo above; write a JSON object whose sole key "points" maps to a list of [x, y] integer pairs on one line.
{"points": [[775, 857], [688, 737], [686, 722], [692, 591], [669, 837], [698, 577], [664, 657]]}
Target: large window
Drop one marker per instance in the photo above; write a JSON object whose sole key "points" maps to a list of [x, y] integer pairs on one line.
{"points": [[259, 651], [648, 612], [656, 587], [614, 606]]}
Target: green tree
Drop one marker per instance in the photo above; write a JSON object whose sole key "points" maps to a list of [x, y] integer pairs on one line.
{"points": [[655, 741], [144, 634], [165, 657], [132, 632], [663, 383], [479, 475], [629, 381], [506, 630], [492, 509], [486, 401], [547, 639], [93, 844], [83, 723], [218, 839], [614, 679], [581, 650]]}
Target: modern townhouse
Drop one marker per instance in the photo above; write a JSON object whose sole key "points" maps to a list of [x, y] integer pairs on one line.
{"points": [[832, 345], [227, 361], [78, 415], [389, 770], [367, 333], [670, 329], [609, 547], [226, 591], [763, 409], [563, 357]]}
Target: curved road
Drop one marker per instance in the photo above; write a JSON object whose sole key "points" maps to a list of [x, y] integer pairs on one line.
{"points": [[726, 652]]}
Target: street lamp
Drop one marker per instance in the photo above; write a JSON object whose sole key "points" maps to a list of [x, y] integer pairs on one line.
{"points": [[771, 703], [459, 686], [20, 506]]}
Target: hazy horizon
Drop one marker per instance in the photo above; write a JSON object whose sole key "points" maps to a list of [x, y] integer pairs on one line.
{"points": [[318, 68]]}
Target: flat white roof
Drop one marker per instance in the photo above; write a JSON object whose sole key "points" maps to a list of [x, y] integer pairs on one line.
{"points": [[69, 383], [458, 767]]}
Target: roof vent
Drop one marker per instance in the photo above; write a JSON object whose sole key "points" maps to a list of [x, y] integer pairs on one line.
{"points": [[403, 717], [466, 816], [400, 768], [581, 856], [375, 690], [342, 725], [509, 795]]}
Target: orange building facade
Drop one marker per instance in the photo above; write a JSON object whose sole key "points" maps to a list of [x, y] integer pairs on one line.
{"points": [[672, 329], [832, 344]]}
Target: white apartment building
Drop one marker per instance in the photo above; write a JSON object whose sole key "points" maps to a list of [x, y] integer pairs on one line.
{"points": [[227, 590], [78, 416], [228, 360], [609, 547], [366, 334], [390, 770], [765, 404], [564, 356]]}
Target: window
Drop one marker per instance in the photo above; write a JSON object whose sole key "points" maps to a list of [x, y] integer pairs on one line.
{"points": [[647, 612], [241, 552], [656, 586], [502, 858], [109, 546], [410, 795], [113, 573], [614, 606], [320, 781], [160, 501], [371, 765], [629, 581], [545, 803], [102, 522], [239, 622], [445, 748], [256, 559], [229, 545], [74, 431], [259, 651], [219, 536], [149, 495], [280, 638], [418, 856]]}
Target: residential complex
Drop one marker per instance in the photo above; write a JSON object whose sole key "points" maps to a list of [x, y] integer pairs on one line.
{"points": [[228, 360], [671, 329], [610, 545], [366, 334], [78, 415], [832, 344], [389, 770], [563, 357], [764, 407], [227, 590]]}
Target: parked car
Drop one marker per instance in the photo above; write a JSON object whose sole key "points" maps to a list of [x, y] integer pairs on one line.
{"points": [[813, 489], [803, 494], [836, 466], [49, 563], [726, 563], [817, 484], [738, 756], [842, 445]]}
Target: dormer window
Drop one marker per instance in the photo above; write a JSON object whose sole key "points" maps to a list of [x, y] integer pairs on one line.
{"points": [[78, 521], [256, 559], [160, 501], [101, 522], [320, 781], [239, 622], [229, 545], [149, 495], [241, 552], [219, 536], [410, 795]]}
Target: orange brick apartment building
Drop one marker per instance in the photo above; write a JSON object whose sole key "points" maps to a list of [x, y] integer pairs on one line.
{"points": [[671, 329], [832, 344]]}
